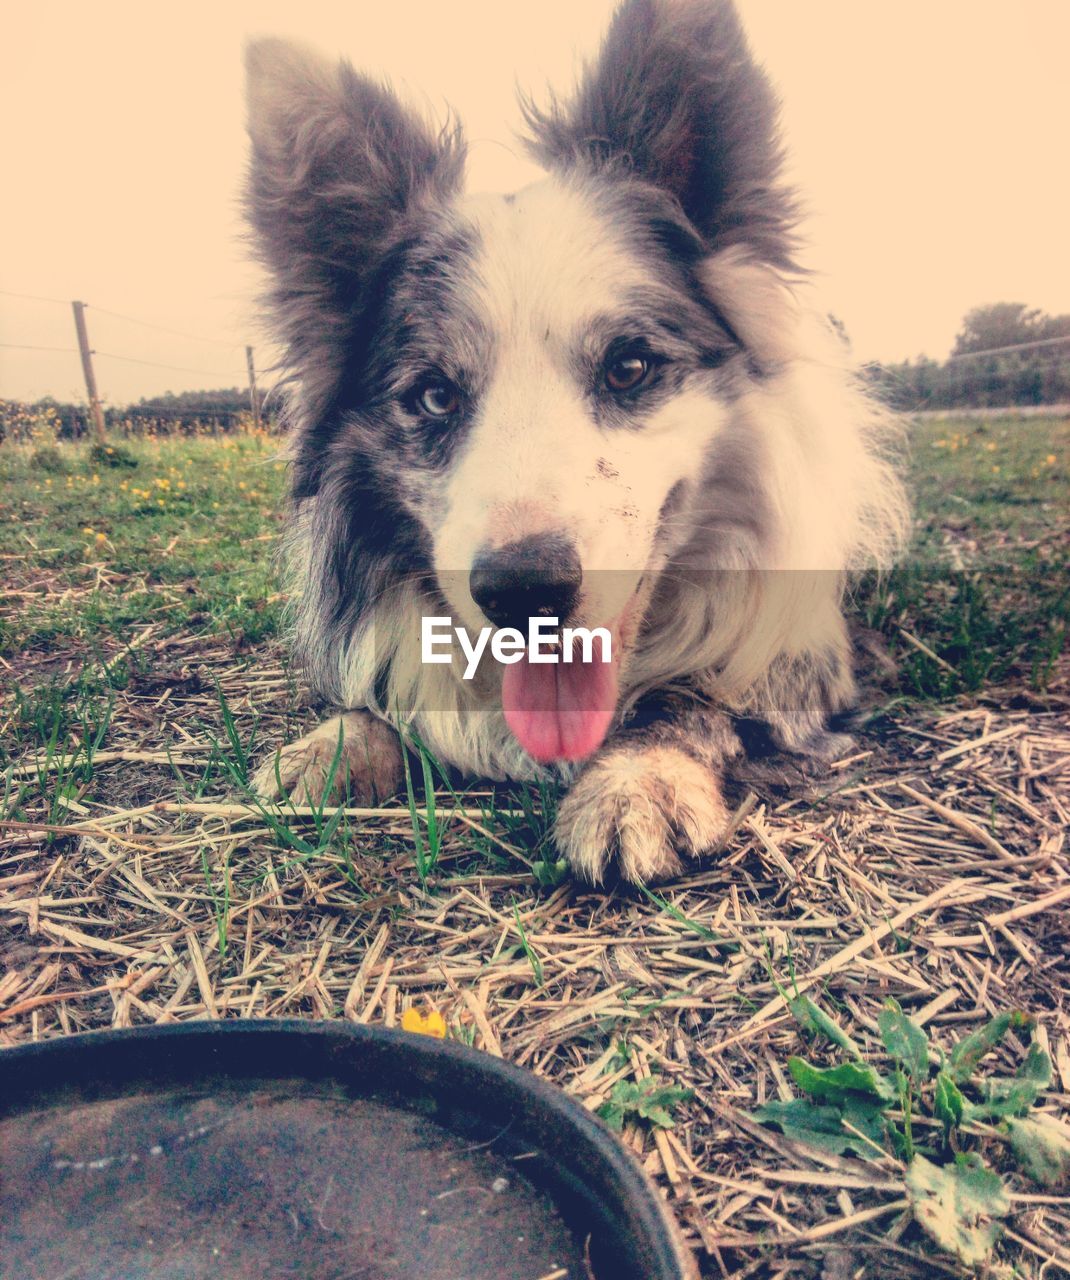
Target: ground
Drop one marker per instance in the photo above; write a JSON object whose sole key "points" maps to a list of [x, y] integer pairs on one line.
{"points": [[143, 672]]}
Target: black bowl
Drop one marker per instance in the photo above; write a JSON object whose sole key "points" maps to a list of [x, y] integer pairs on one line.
{"points": [[319, 1150]]}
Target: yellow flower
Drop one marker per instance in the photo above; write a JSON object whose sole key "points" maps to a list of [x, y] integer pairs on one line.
{"points": [[1050, 459], [431, 1023], [89, 532], [102, 537]]}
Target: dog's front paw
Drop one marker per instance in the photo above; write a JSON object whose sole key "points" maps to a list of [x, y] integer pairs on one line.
{"points": [[822, 748], [366, 769], [643, 805]]}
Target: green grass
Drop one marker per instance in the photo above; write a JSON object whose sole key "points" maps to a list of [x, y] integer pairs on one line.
{"points": [[172, 533], [983, 487], [983, 595], [179, 532], [181, 538]]}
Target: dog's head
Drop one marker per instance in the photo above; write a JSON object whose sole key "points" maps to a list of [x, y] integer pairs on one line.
{"points": [[510, 398]]}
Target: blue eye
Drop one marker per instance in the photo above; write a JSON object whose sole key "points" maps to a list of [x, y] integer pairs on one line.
{"points": [[438, 399]]}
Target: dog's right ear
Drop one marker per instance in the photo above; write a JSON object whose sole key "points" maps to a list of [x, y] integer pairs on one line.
{"points": [[337, 162]]}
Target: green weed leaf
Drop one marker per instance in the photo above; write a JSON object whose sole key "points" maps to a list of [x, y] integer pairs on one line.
{"points": [[948, 1103], [958, 1205], [1042, 1147], [816, 1022], [840, 1084], [1014, 1095], [648, 1099], [825, 1127], [905, 1041], [968, 1052]]}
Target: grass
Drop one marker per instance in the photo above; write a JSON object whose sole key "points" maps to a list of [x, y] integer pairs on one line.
{"points": [[983, 596], [990, 489], [426, 836], [176, 534], [142, 677], [182, 537]]}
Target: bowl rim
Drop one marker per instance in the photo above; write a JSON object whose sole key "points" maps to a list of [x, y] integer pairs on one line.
{"points": [[596, 1168]]}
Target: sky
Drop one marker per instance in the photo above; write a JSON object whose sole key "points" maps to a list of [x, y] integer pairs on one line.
{"points": [[929, 140]]}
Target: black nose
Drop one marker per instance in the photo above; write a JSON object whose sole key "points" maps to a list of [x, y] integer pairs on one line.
{"points": [[535, 577]]}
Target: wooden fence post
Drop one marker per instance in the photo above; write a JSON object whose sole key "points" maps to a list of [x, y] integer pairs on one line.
{"points": [[87, 369], [254, 400]]}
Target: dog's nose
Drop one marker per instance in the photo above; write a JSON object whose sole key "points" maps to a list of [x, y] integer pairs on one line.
{"points": [[535, 577]]}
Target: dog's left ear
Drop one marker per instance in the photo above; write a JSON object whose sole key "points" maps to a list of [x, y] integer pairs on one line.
{"points": [[676, 99]]}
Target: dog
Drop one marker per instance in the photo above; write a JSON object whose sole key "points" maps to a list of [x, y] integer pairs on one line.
{"points": [[602, 400]]}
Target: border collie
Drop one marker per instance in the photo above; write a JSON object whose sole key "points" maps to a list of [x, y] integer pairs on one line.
{"points": [[601, 400]]}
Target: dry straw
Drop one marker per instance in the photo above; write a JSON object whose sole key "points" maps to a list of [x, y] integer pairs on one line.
{"points": [[933, 868]]}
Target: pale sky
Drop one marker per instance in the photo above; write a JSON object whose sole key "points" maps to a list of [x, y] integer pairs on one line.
{"points": [[929, 138]]}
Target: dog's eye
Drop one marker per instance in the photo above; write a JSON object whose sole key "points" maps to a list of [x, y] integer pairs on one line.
{"points": [[438, 399], [627, 372]]}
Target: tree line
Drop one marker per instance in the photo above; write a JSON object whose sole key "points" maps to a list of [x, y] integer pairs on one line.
{"points": [[179, 412], [980, 372]]}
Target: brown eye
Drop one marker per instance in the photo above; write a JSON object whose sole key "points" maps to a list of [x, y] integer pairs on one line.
{"points": [[439, 399], [627, 372]]}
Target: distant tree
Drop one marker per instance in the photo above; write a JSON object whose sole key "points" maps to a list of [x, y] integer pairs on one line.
{"points": [[1033, 376], [224, 406], [1054, 326], [999, 324], [233, 399]]}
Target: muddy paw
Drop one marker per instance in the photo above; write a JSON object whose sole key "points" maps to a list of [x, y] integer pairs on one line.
{"points": [[644, 806], [368, 769]]}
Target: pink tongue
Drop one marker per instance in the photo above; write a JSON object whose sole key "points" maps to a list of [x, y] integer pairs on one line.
{"points": [[560, 711]]}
